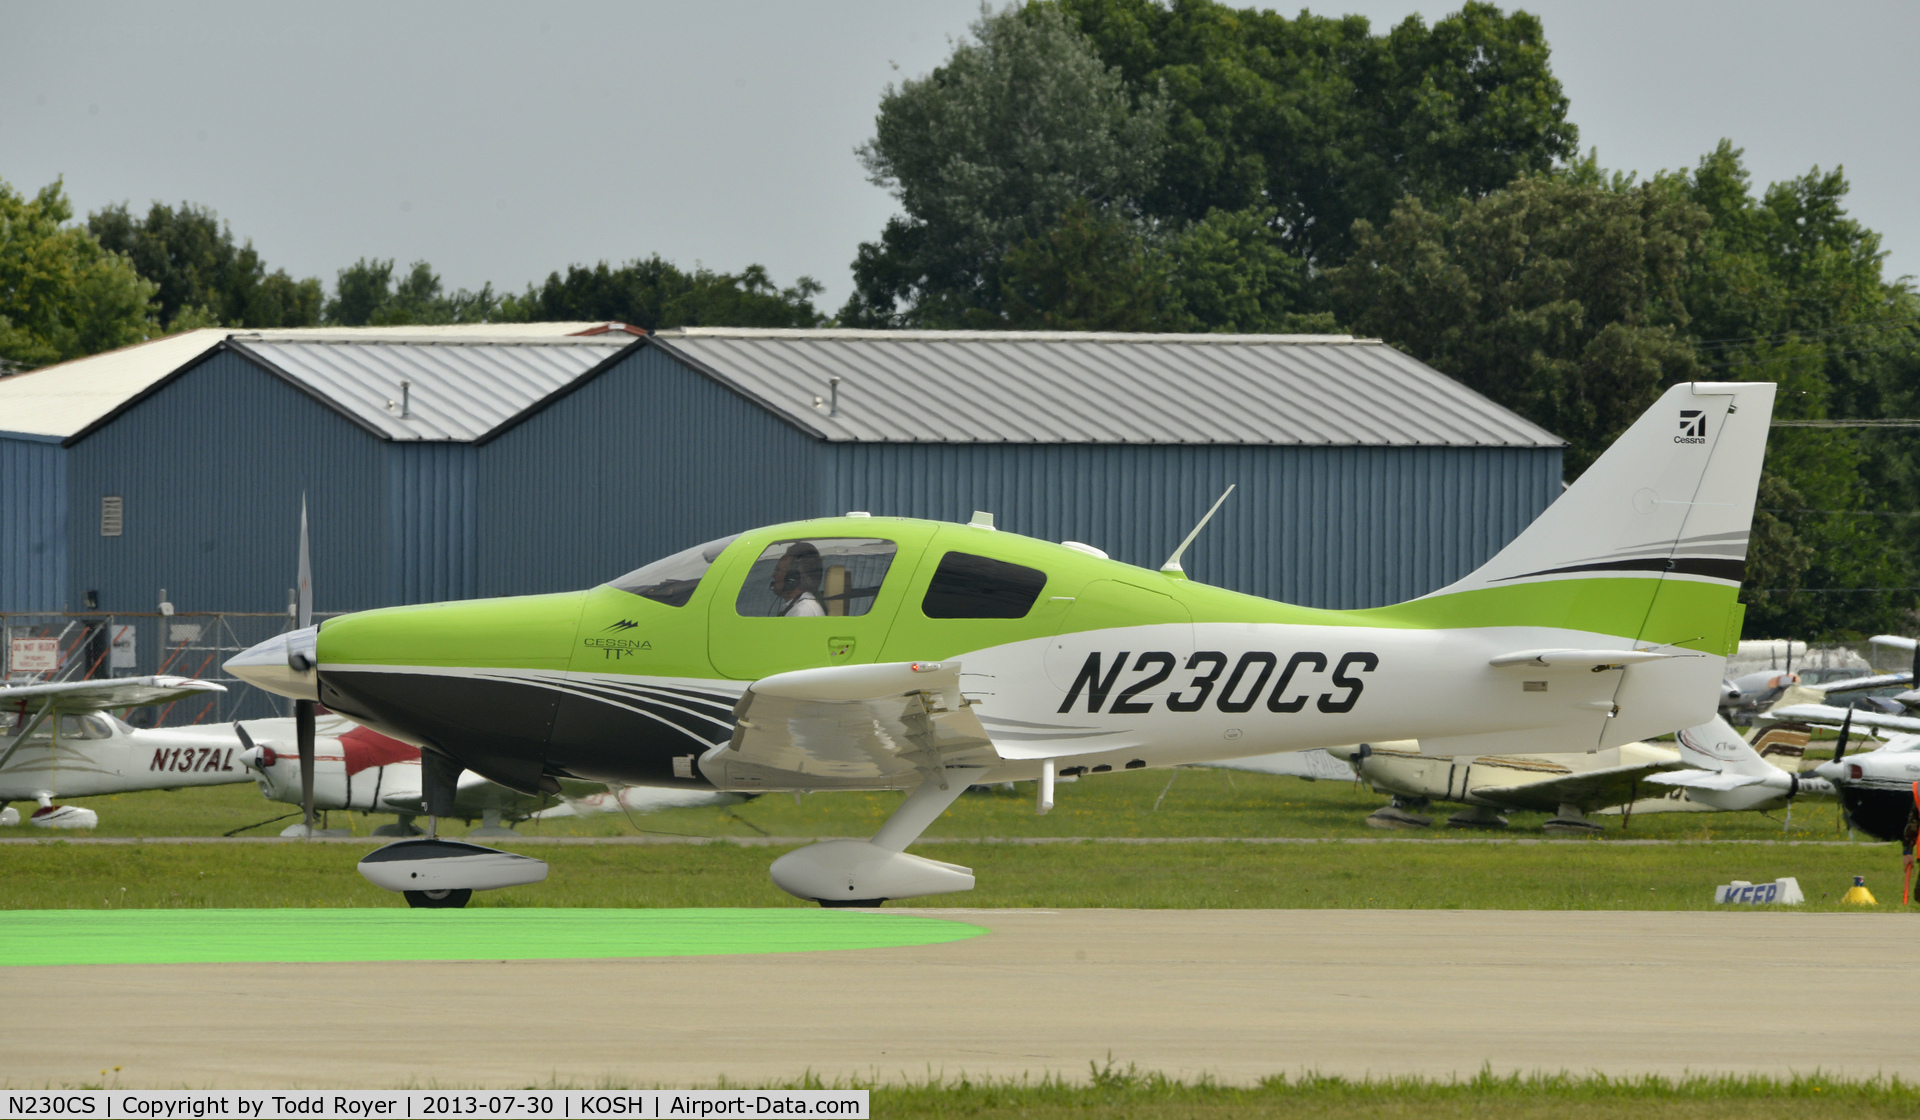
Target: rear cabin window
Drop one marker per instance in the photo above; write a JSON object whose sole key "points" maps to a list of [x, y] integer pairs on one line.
{"points": [[672, 580], [968, 586], [817, 577]]}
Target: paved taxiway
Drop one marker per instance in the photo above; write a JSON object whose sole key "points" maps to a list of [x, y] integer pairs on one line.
{"points": [[1234, 993]]}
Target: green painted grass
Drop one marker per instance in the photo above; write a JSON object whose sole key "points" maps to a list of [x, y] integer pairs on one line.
{"points": [[1570, 875], [53, 937]]}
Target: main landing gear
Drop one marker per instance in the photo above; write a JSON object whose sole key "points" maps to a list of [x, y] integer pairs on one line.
{"points": [[438, 900], [869, 872]]}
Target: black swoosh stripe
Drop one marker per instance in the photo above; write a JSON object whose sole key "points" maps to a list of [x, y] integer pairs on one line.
{"points": [[616, 700], [719, 715], [1713, 566], [678, 717]]}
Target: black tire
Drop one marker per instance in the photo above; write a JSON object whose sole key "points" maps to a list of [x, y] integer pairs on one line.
{"points": [[438, 900], [837, 903]]}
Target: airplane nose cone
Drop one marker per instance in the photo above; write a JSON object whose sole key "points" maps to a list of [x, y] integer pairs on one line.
{"points": [[1829, 771], [282, 665]]}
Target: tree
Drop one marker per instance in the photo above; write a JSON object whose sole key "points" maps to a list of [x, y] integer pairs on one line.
{"points": [[990, 151], [653, 293], [1788, 288], [1096, 272], [1558, 297], [1324, 122], [367, 295], [62, 295], [203, 277]]}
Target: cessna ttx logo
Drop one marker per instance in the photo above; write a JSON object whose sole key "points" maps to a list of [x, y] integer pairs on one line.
{"points": [[619, 627], [1693, 426]]}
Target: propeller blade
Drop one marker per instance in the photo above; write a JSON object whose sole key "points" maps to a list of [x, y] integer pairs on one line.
{"points": [[303, 722], [304, 611], [1846, 729], [246, 740]]}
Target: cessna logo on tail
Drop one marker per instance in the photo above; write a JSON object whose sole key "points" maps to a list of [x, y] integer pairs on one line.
{"points": [[1693, 426]]}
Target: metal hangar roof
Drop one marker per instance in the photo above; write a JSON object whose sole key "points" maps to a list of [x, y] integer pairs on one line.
{"points": [[1046, 387], [59, 401]]}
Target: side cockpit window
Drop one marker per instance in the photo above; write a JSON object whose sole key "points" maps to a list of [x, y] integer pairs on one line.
{"points": [[673, 579], [817, 577], [968, 586]]}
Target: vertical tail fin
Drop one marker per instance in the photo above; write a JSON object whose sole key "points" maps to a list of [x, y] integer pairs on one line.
{"points": [[1645, 551], [1673, 496]]}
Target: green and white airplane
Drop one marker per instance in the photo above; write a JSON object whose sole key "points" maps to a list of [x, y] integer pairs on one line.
{"points": [[879, 653]]}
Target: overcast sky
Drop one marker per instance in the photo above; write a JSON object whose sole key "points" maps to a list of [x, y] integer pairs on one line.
{"points": [[503, 141]]}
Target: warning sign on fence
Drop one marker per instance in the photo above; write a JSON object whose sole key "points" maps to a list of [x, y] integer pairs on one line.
{"points": [[33, 655]]}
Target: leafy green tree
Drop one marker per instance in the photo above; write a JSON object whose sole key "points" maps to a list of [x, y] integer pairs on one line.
{"points": [[1789, 289], [1556, 297], [653, 293], [991, 150], [367, 294], [201, 273], [1325, 122], [1089, 273], [1230, 272], [62, 295]]}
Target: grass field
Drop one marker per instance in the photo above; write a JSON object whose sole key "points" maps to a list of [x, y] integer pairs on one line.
{"points": [[1357, 867], [1126, 1095], [1572, 875], [1142, 803]]}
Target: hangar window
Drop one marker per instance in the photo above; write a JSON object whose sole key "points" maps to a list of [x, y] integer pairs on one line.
{"points": [[967, 586], [111, 516], [672, 580], [824, 576]]}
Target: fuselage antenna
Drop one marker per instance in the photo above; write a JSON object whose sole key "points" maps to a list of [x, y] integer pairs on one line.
{"points": [[1172, 567]]}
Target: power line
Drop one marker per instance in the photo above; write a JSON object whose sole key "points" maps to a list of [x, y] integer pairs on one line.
{"points": [[1892, 423], [1871, 325]]}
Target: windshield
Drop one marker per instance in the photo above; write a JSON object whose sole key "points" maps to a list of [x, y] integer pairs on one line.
{"points": [[673, 579]]}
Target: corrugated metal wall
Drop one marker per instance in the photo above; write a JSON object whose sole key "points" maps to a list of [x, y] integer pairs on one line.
{"points": [[33, 524], [211, 469], [646, 459], [433, 522], [1337, 527]]}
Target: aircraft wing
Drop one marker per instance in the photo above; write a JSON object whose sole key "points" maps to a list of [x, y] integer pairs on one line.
{"points": [[850, 726], [473, 793], [101, 695], [1705, 779], [1866, 684], [1590, 788], [1827, 714], [1312, 765]]}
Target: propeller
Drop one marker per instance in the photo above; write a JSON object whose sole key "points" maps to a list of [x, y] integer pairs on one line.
{"points": [[300, 662], [1840, 752]]}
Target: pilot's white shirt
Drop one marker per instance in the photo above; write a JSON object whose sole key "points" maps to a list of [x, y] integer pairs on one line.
{"points": [[804, 605]]}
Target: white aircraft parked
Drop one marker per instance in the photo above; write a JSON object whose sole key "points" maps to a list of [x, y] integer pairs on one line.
{"points": [[60, 740], [358, 769], [1729, 775]]}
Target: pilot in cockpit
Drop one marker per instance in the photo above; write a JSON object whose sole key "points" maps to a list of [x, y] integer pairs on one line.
{"points": [[796, 580]]}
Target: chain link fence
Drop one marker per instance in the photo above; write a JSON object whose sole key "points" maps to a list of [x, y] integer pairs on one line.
{"points": [[43, 646]]}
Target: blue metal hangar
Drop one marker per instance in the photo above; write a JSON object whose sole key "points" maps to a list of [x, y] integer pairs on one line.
{"points": [[465, 464]]}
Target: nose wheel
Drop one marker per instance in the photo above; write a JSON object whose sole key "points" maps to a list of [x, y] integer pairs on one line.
{"points": [[438, 900]]}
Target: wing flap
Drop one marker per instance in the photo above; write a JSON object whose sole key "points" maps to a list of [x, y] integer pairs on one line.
{"points": [[850, 727]]}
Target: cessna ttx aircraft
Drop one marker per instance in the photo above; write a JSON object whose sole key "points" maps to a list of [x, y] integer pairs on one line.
{"points": [[871, 653], [59, 740]]}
